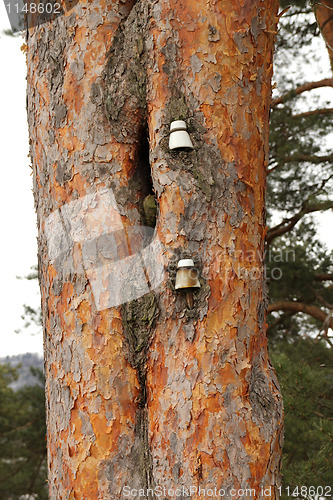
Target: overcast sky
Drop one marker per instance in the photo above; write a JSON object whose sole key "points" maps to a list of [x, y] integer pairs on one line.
{"points": [[18, 246]]}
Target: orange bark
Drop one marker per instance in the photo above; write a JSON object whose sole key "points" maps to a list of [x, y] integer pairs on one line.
{"points": [[324, 14], [201, 407], [202, 410]]}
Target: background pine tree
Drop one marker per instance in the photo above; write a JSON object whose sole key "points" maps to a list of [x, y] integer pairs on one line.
{"points": [[300, 182], [22, 438]]}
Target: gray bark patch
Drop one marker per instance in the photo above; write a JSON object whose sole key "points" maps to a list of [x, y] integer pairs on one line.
{"points": [[260, 396], [213, 34], [139, 317], [64, 173], [59, 114]]}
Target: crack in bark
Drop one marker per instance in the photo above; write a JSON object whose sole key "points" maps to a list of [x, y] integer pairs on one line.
{"points": [[124, 98], [145, 463], [124, 101], [139, 318]]}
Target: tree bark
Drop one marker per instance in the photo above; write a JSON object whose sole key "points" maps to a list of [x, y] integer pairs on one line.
{"points": [[158, 391], [324, 15]]}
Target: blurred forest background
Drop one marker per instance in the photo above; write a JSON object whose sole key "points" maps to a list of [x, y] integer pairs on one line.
{"points": [[299, 277]]}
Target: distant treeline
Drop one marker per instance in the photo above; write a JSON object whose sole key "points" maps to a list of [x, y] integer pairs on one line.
{"points": [[22, 363]]}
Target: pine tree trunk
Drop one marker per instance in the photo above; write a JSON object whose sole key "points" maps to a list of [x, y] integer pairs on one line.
{"points": [[324, 15], [168, 389]]}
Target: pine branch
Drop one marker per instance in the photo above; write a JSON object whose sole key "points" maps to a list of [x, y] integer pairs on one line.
{"points": [[326, 82], [323, 277], [321, 111], [28, 424], [288, 224], [319, 297], [299, 158], [310, 158], [296, 307]]}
